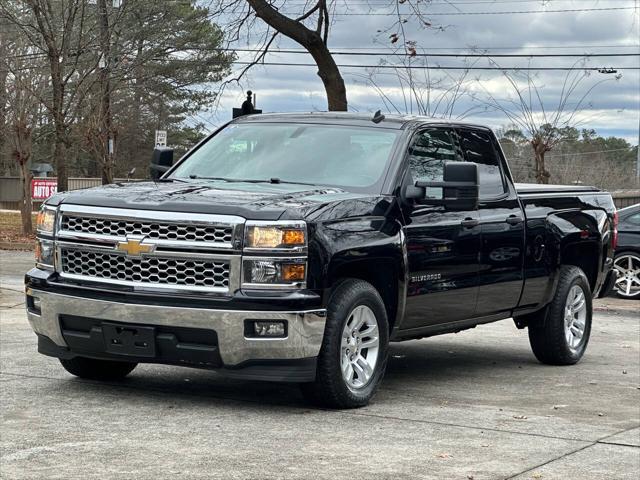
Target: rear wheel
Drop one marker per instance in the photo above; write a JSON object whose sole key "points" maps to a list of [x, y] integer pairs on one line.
{"points": [[561, 337], [353, 356], [627, 265], [97, 369]]}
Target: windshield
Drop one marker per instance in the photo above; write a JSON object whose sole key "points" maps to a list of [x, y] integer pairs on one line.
{"points": [[333, 155]]}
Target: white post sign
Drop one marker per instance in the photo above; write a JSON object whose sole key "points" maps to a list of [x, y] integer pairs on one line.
{"points": [[161, 138]]}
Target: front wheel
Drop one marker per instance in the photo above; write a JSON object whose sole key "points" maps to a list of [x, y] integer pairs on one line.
{"points": [[353, 355], [94, 369], [562, 336]]}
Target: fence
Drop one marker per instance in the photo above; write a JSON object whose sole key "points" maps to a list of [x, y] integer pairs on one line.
{"points": [[10, 192]]}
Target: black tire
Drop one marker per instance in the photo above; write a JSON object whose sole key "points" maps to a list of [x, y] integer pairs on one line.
{"points": [[93, 369], [330, 388], [547, 334]]}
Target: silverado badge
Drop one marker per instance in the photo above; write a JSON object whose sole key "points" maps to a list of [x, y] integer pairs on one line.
{"points": [[134, 246]]}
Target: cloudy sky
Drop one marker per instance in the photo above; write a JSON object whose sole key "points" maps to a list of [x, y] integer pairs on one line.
{"points": [[585, 27]]}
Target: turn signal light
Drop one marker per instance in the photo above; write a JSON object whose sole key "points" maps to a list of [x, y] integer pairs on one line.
{"points": [[293, 272], [293, 237]]}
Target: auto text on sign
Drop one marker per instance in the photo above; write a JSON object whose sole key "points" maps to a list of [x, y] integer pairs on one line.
{"points": [[43, 189]]}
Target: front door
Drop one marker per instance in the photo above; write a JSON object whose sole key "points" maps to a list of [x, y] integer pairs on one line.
{"points": [[443, 247]]}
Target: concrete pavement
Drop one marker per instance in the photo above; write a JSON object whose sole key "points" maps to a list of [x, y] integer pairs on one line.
{"points": [[471, 405]]}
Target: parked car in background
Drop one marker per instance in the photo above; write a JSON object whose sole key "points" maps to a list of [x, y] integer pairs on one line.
{"points": [[627, 259]]}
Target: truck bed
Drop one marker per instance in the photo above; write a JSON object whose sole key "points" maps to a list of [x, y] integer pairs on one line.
{"points": [[525, 188]]}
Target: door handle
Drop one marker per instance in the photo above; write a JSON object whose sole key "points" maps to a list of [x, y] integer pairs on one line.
{"points": [[513, 220], [469, 222]]}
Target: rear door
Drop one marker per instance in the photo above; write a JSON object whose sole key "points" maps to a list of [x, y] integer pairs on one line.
{"points": [[501, 223], [442, 246]]}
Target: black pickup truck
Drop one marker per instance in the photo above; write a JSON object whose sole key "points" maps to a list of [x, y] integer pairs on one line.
{"points": [[295, 247]]}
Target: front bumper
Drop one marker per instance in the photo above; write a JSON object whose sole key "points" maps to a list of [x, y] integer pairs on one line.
{"points": [[305, 328]]}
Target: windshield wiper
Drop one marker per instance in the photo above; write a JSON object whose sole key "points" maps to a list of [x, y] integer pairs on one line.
{"points": [[171, 179], [274, 180]]}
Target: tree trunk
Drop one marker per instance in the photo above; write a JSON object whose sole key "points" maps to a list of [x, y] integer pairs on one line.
{"points": [[312, 41], [22, 140], [61, 140], [542, 174], [26, 204], [329, 73], [539, 150], [106, 120], [3, 101]]}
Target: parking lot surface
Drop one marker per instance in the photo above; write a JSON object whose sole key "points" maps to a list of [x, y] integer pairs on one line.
{"points": [[475, 405]]}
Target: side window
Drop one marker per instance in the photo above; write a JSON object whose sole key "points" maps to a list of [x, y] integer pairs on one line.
{"points": [[633, 219], [428, 152], [478, 147]]}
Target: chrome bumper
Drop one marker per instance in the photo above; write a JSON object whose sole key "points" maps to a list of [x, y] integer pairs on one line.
{"points": [[305, 328]]}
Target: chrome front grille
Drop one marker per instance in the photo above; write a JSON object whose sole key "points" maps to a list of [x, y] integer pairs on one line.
{"points": [[147, 249], [152, 230], [145, 270]]}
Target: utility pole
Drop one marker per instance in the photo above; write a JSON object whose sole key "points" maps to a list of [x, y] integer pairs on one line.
{"points": [[105, 120]]}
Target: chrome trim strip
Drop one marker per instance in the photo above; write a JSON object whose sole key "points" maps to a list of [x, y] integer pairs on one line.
{"points": [[192, 219], [155, 215], [305, 328], [85, 247]]}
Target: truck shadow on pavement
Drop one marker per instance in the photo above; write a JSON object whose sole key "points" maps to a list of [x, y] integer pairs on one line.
{"points": [[426, 364]]}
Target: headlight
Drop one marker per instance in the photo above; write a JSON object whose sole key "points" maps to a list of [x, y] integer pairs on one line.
{"points": [[272, 272], [276, 236], [45, 254], [46, 220]]}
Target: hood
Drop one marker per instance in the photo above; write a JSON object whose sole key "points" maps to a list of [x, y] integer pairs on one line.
{"points": [[256, 201]]}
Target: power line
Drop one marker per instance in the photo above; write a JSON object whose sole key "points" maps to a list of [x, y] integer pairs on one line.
{"points": [[435, 67], [450, 14], [401, 54], [545, 47], [461, 55]]}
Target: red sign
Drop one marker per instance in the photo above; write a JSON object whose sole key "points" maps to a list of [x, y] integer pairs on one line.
{"points": [[41, 189]]}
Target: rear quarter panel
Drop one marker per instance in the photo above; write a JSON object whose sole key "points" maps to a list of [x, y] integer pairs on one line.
{"points": [[557, 226]]}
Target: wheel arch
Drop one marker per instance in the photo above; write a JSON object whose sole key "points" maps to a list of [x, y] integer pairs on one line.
{"points": [[383, 273]]}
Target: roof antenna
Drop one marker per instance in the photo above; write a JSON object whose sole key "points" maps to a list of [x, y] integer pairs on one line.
{"points": [[377, 117]]}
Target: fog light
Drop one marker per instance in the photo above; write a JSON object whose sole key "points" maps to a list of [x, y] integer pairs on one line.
{"points": [[34, 304], [266, 329]]}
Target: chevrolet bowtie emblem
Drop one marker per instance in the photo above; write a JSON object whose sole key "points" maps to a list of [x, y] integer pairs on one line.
{"points": [[134, 246]]}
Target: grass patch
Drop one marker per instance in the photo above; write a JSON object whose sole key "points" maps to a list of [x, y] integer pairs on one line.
{"points": [[11, 228]]}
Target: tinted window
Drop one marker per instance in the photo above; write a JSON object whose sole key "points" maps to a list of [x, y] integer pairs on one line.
{"points": [[633, 219], [428, 152], [478, 147]]}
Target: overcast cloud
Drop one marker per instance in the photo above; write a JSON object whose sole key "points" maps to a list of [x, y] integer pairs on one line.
{"points": [[611, 109]]}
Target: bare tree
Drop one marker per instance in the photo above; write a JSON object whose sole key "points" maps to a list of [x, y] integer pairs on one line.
{"points": [[310, 29], [308, 23], [544, 123], [22, 115], [61, 32]]}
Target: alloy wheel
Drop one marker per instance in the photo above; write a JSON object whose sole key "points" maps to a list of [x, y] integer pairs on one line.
{"points": [[575, 317], [628, 282], [360, 347]]}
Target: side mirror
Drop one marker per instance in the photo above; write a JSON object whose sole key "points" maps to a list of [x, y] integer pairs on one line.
{"points": [[161, 161], [460, 189]]}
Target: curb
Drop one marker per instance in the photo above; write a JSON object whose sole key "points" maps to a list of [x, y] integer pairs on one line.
{"points": [[16, 246]]}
